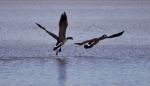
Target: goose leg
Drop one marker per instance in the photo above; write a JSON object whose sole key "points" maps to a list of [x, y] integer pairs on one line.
{"points": [[57, 46], [57, 52], [59, 49]]}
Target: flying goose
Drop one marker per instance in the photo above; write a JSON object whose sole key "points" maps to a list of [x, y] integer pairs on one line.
{"points": [[90, 43], [61, 39]]}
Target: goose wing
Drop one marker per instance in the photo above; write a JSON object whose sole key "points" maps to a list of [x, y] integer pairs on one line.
{"points": [[50, 33], [116, 35], [63, 23]]}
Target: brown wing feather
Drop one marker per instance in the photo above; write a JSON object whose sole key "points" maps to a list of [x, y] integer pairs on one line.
{"points": [[116, 35], [50, 33], [63, 23]]}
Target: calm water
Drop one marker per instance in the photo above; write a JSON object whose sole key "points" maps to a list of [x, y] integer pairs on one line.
{"points": [[126, 66]]}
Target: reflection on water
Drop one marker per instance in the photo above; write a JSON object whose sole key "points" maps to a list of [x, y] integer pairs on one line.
{"points": [[61, 71]]}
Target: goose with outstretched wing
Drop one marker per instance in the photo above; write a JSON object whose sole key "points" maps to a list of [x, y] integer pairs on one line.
{"points": [[90, 43], [61, 39]]}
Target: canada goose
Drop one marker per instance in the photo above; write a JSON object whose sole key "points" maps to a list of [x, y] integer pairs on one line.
{"points": [[61, 39], [90, 43]]}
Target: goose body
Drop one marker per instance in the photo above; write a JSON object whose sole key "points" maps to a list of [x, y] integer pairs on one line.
{"points": [[61, 38]]}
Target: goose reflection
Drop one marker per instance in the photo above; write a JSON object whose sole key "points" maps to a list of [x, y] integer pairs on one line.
{"points": [[61, 71]]}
